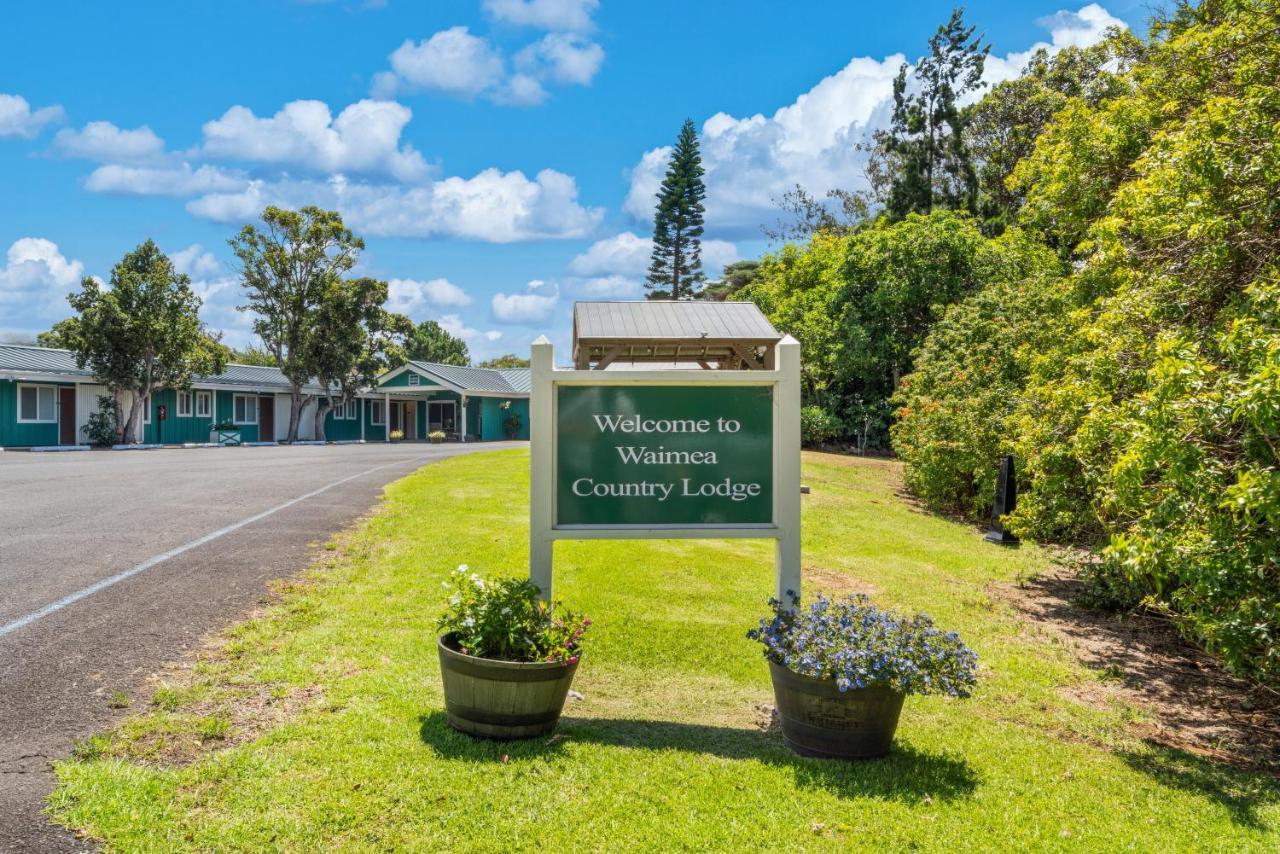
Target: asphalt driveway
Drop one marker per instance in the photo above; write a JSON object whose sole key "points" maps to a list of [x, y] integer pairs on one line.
{"points": [[112, 563]]}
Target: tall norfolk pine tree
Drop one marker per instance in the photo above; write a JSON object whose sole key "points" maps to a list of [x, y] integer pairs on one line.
{"points": [[675, 267]]}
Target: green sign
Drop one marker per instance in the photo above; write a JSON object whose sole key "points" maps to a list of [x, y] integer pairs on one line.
{"points": [[664, 455]]}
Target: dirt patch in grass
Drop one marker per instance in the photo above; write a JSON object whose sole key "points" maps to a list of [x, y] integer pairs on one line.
{"points": [[834, 583], [1193, 704]]}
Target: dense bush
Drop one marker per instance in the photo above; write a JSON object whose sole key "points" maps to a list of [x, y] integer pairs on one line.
{"points": [[103, 427], [1142, 393], [956, 410], [818, 426]]}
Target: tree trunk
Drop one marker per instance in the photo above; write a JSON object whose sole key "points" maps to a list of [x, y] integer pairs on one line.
{"points": [[134, 422], [323, 405], [295, 413], [117, 395]]}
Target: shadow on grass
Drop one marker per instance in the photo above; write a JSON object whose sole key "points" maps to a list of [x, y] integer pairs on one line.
{"points": [[1240, 794], [906, 774]]}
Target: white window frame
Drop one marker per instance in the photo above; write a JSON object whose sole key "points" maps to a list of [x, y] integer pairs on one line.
{"points": [[236, 399], [146, 410], [185, 396], [374, 420], [207, 398], [53, 389], [352, 408], [414, 379]]}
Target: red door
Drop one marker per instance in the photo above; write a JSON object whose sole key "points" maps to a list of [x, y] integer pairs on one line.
{"points": [[66, 416], [266, 419]]}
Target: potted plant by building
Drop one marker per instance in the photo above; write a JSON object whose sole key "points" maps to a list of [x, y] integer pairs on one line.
{"points": [[841, 671], [507, 658], [510, 423], [225, 433], [395, 435], [436, 436]]}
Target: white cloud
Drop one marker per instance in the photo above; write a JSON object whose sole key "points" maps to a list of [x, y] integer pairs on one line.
{"points": [[18, 119], [609, 287], [364, 138], [477, 341], [627, 254], [533, 306], [104, 142], [572, 15], [195, 262], [408, 296], [752, 161], [34, 284], [492, 206], [452, 61], [459, 63], [179, 180], [562, 58]]}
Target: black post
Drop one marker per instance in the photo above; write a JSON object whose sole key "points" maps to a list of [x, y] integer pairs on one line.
{"points": [[1006, 501]]}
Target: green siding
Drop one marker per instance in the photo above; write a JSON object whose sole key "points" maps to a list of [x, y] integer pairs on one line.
{"points": [[15, 435], [403, 380], [493, 417], [224, 408], [420, 420], [175, 430], [341, 429]]}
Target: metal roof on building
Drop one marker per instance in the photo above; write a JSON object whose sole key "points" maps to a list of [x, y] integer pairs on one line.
{"points": [[650, 320], [513, 380], [28, 360], [22, 358]]}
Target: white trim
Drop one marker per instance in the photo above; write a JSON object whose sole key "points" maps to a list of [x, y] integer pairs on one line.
{"points": [[415, 378], [353, 410], [784, 380], [373, 413], [256, 405], [38, 387], [206, 396], [189, 397]]}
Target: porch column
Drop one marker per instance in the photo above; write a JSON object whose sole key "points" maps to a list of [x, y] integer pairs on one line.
{"points": [[463, 432], [386, 416]]}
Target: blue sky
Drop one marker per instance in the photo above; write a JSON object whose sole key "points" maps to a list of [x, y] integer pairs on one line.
{"points": [[499, 156]]}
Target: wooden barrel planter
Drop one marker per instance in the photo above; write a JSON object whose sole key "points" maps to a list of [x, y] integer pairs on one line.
{"points": [[502, 699], [818, 720]]}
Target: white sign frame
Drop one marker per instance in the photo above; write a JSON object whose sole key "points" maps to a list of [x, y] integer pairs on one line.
{"points": [[783, 379]]}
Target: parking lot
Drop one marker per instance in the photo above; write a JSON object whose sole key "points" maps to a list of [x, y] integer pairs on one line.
{"points": [[112, 563]]}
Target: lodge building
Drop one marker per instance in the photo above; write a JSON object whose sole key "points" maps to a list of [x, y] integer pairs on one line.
{"points": [[45, 402]]}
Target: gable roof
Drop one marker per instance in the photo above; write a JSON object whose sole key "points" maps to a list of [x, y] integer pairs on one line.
{"points": [[514, 381]]}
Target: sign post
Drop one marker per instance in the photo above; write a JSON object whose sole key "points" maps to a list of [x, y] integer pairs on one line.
{"points": [[668, 454]]}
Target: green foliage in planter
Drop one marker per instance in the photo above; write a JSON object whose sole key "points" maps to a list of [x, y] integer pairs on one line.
{"points": [[504, 618]]}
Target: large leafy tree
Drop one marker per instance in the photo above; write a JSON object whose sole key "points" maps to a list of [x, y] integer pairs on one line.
{"points": [[1003, 127], [675, 265], [431, 342], [287, 267], [924, 155], [735, 277], [352, 340], [141, 333], [62, 335]]}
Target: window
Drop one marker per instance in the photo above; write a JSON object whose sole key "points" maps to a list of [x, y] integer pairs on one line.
{"points": [[353, 410], [37, 404], [146, 410], [413, 379], [204, 404], [377, 417], [245, 409], [184, 404]]}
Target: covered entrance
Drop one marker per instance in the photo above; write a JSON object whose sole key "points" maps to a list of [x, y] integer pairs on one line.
{"points": [[266, 418], [404, 416], [442, 415], [66, 416]]}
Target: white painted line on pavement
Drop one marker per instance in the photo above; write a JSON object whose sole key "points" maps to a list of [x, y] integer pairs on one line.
{"points": [[73, 598]]}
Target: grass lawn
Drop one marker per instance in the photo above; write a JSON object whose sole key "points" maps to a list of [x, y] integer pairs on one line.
{"points": [[319, 723]]}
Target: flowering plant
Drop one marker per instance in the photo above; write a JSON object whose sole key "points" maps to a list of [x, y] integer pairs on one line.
{"points": [[505, 619], [860, 646]]}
